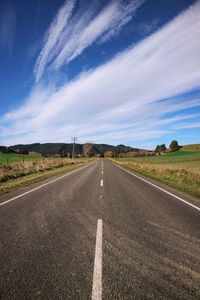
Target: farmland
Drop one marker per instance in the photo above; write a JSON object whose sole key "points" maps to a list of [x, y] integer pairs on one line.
{"points": [[179, 169], [21, 170], [191, 147], [6, 158]]}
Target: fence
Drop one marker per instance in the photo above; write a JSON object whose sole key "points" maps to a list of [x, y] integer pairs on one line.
{"points": [[7, 160]]}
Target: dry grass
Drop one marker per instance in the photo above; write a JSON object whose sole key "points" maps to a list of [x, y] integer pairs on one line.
{"points": [[191, 147], [21, 175], [185, 177], [20, 169]]}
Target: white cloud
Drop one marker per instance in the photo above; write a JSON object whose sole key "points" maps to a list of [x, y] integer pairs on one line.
{"points": [[69, 35], [145, 28], [118, 101], [52, 36], [186, 125], [32, 108]]}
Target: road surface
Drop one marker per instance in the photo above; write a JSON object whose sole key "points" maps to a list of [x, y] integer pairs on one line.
{"points": [[99, 233]]}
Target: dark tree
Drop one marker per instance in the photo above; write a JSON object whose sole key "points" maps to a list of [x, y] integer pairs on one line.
{"points": [[160, 148], [87, 149], [24, 151], [64, 153], [163, 147], [174, 145]]}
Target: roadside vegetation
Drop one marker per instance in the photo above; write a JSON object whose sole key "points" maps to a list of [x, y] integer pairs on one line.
{"points": [[177, 166], [7, 159], [20, 174], [180, 169]]}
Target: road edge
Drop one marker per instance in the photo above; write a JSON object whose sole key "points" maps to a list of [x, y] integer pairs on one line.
{"points": [[192, 200], [19, 184]]}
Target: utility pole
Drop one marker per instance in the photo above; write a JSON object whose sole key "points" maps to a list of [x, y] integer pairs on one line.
{"points": [[74, 139]]}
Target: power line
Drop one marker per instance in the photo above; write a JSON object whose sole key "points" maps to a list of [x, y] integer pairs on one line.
{"points": [[74, 139]]}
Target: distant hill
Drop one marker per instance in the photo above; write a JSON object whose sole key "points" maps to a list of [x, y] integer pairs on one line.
{"points": [[192, 147], [57, 148], [4, 149]]}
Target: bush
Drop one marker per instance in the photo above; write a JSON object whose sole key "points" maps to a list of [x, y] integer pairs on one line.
{"points": [[160, 148], [174, 145]]}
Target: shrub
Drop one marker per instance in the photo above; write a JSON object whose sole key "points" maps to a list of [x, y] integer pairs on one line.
{"points": [[174, 145]]}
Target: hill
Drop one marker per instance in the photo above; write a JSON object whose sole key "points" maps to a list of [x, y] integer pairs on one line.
{"points": [[57, 148], [192, 147], [4, 149]]}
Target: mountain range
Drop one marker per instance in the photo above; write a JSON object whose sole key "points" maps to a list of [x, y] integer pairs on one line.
{"points": [[57, 148]]}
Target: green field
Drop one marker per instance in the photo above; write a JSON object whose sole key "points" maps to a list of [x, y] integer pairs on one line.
{"points": [[179, 169], [15, 158], [6, 158], [173, 157]]}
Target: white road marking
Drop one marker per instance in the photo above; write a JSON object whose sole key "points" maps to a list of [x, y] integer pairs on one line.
{"points": [[101, 182], [21, 195], [102, 172], [97, 275], [159, 188]]}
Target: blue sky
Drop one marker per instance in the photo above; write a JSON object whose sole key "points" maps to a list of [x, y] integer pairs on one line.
{"points": [[116, 72]]}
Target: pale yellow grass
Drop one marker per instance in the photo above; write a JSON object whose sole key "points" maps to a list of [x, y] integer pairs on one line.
{"points": [[183, 176], [28, 167]]}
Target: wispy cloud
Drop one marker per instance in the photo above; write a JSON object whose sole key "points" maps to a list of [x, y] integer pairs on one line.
{"points": [[52, 36], [72, 31], [147, 28], [120, 100], [7, 26], [186, 125]]}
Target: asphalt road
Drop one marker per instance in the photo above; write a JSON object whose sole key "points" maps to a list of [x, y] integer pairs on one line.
{"points": [[99, 233]]}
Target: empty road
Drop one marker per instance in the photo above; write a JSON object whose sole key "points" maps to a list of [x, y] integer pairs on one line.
{"points": [[99, 233]]}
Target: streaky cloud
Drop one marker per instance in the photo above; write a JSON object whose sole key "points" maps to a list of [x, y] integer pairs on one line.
{"points": [[52, 36], [122, 97], [70, 34]]}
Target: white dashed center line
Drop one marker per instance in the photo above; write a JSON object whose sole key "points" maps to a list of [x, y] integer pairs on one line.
{"points": [[101, 182], [97, 275]]}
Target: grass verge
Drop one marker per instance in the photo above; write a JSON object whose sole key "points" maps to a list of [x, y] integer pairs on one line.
{"points": [[176, 176], [26, 180]]}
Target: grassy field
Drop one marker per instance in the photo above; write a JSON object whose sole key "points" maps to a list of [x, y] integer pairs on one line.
{"points": [[192, 147], [7, 159], [15, 158], [180, 169], [173, 157], [21, 174]]}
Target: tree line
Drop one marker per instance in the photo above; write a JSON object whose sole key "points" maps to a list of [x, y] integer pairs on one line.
{"points": [[174, 146]]}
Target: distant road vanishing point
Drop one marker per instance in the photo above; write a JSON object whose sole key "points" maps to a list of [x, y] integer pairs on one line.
{"points": [[99, 232]]}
